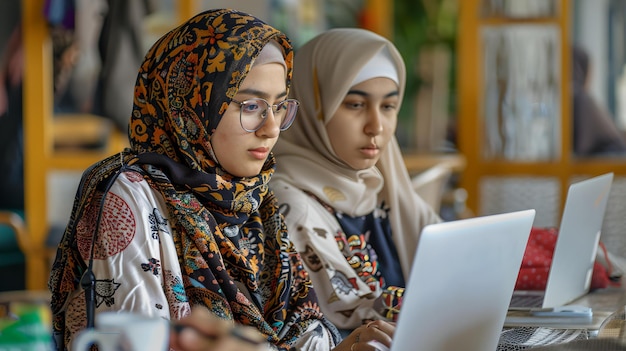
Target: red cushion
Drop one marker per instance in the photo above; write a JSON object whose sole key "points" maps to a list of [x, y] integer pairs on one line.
{"points": [[537, 259]]}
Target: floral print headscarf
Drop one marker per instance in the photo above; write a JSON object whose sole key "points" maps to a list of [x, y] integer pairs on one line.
{"points": [[228, 230]]}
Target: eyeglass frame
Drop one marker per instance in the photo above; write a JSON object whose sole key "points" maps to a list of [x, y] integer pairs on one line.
{"points": [[274, 108]]}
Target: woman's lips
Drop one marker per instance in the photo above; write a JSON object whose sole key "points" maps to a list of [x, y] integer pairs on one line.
{"points": [[259, 153], [370, 151]]}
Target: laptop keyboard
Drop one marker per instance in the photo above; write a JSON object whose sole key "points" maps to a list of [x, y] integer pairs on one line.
{"points": [[521, 300]]}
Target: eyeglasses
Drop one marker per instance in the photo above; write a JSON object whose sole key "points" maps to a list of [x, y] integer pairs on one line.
{"points": [[253, 113]]}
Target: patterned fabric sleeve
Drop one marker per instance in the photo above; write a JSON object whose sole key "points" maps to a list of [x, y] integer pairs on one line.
{"points": [[135, 261], [345, 299]]}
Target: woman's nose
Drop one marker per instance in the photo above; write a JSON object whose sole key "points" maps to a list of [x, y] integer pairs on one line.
{"points": [[374, 124], [270, 127]]}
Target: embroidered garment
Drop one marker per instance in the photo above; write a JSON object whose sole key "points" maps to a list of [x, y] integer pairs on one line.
{"points": [[176, 230], [367, 245], [324, 70]]}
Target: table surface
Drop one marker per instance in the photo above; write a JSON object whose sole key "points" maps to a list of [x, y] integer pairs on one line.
{"points": [[609, 321], [604, 300]]}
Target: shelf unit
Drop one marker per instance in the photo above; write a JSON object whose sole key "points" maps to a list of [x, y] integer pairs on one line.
{"points": [[555, 173], [40, 156]]}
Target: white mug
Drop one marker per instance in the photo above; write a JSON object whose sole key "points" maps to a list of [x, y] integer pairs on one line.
{"points": [[125, 331]]}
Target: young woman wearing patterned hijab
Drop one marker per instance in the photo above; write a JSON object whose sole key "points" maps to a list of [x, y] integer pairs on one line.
{"points": [[185, 218], [341, 179]]}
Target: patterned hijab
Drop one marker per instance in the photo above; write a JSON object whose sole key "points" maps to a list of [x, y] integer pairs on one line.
{"points": [[227, 229], [325, 68]]}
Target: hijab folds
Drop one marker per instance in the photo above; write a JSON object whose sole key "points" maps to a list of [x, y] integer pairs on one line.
{"points": [[325, 70]]}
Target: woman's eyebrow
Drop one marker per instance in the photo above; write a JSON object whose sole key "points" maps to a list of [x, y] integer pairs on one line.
{"points": [[362, 93], [261, 94]]}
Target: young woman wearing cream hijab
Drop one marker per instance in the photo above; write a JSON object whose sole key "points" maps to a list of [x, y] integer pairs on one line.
{"points": [[341, 180]]}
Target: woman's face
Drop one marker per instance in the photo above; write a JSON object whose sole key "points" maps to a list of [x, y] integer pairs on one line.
{"points": [[365, 122], [241, 153]]}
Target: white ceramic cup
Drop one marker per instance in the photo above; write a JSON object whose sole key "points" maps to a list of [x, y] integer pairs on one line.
{"points": [[125, 331]]}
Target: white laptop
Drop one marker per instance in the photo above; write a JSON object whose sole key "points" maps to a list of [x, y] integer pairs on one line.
{"points": [[576, 247], [461, 283]]}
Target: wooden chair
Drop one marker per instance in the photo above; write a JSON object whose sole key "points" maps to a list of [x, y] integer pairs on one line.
{"points": [[431, 184]]}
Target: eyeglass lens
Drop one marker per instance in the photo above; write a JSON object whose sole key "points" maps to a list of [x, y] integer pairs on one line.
{"points": [[254, 112]]}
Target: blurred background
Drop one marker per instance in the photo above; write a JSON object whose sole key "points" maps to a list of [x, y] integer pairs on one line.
{"points": [[507, 101]]}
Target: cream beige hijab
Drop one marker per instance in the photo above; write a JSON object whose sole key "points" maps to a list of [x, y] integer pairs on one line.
{"points": [[324, 70]]}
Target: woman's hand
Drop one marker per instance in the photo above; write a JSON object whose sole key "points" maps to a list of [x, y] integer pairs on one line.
{"points": [[368, 336], [202, 331]]}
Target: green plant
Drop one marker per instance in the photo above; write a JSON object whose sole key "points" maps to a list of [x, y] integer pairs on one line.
{"points": [[418, 25]]}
